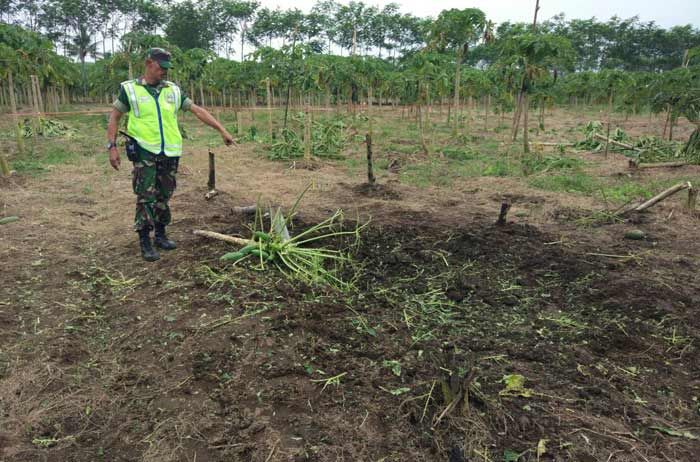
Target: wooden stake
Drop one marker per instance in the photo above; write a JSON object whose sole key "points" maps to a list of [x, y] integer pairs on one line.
{"points": [[211, 184], [370, 170], [505, 206]]}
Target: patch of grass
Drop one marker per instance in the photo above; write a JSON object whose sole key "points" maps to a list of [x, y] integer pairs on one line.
{"points": [[576, 182], [532, 165], [429, 173], [500, 168], [629, 190], [403, 148], [460, 153], [626, 191], [36, 163]]}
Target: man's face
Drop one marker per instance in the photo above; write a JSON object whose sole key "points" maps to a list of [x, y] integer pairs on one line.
{"points": [[155, 71]]}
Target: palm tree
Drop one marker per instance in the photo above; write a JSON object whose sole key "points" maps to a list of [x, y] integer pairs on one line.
{"points": [[82, 46]]}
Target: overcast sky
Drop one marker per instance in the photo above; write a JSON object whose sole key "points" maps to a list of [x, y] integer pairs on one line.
{"points": [[666, 13]]}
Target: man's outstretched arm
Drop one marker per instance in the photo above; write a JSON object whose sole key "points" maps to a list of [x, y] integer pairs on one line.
{"points": [[204, 115], [112, 127]]}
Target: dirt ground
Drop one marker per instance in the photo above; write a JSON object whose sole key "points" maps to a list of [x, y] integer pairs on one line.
{"points": [[539, 340]]}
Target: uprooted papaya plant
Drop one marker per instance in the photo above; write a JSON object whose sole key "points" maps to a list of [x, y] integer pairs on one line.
{"points": [[298, 256]]}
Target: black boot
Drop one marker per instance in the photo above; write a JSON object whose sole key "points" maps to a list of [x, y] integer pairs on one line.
{"points": [[161, 241], [147, 251]]}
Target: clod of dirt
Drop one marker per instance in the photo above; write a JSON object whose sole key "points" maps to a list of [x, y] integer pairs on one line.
{"points": [[306, 165], [377, 191]]}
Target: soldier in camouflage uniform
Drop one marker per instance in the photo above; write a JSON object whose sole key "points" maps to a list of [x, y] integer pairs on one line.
{"points": [[154, 145]]}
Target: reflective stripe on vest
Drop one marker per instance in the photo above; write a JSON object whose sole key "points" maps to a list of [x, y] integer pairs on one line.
{"points": [[154, 124]]}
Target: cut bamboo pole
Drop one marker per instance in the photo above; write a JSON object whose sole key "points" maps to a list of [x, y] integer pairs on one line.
{"points": [[222, 237]]}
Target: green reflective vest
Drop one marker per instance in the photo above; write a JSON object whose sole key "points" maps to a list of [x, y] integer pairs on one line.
{"points": [[153, 122]]}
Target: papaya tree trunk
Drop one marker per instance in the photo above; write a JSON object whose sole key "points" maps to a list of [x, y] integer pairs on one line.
{"points": [[607, 143], [526, 143], [458, 75], [15, 120]]}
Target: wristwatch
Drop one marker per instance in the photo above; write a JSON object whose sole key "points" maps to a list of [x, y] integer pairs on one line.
{"points": [[110, 145]]}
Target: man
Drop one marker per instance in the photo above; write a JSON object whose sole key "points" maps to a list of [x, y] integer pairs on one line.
{"points": [[154, 146]]}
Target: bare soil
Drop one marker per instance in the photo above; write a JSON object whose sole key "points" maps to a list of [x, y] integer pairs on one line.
{"points": [[104, 357]]}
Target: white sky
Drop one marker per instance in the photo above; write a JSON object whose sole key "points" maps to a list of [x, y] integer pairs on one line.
{"points": [[666, 13]]}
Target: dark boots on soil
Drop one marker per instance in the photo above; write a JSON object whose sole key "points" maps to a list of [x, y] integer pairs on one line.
{"points": [[147, 251], [161, 241]]}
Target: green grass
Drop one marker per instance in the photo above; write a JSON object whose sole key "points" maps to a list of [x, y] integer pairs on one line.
{"points": [[36, 163], [576, 182], [628, 190]]}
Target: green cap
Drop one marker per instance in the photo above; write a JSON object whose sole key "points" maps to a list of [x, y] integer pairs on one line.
{"points": [[160, 55]]}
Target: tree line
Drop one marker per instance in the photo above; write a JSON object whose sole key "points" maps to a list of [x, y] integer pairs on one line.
{"points": [[236, 28], [459, 58]]}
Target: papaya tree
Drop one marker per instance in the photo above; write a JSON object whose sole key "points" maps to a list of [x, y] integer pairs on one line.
{"points": [[610, 82], [536, 55], [456, 30]]}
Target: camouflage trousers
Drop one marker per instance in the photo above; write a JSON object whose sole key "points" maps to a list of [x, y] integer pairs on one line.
{"points": [[154, 184]]}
